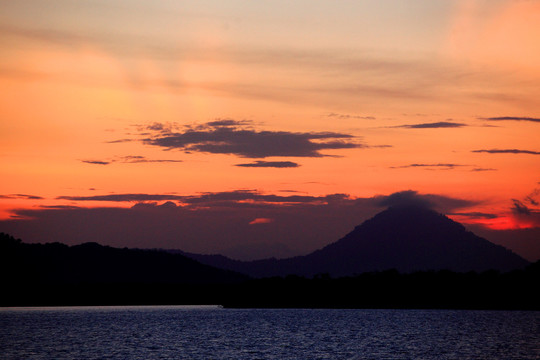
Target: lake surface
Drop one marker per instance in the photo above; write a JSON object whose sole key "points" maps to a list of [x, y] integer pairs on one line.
{"points": [[179, 332]]}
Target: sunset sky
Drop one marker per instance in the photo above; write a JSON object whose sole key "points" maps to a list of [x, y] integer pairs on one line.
{"points": [[266, 128]]}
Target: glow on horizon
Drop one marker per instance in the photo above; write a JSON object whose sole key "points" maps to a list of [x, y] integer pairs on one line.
{"points": [[419, 85]]}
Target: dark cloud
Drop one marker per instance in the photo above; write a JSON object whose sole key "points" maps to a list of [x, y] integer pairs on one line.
{"points": [[207, 199], [119, 141], [511, 118], [239, 198], [21, 196], [96, 162], [532, 197], [435, 125], [123, 197], [506, 151], [404, 198], [524, 214], [257, 197], [226, 122], [273, 164], [520, 208], [443, 166], [60, 207], [483, 169], [475, 215], [130, 159], [530, 209], [209, 222], [158, 127], [236, 138], [440, 203], [135, 159]]}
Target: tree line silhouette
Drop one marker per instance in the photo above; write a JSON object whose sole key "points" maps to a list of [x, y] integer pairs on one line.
{"points": [[92, 274]]}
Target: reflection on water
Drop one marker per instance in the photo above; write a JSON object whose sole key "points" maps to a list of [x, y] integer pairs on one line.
{"points": [[194, 332], [109, 308]]}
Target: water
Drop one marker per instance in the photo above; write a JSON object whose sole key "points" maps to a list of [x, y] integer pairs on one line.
{"points": [[212, 333]]}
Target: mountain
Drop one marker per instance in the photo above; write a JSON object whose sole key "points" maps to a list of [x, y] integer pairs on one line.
{"points": [[405, 238], [91, 263]]}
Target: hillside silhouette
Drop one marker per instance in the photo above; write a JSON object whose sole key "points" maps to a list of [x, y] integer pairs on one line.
{"points": [[405, 238], [92, 274], [92, 263]]}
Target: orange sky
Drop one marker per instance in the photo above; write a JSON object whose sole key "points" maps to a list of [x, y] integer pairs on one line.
{"points": [[436, 97]]}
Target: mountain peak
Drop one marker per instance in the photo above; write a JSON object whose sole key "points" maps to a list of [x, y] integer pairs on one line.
{"points": [[407, 218], [407, 238], [411, 238]]}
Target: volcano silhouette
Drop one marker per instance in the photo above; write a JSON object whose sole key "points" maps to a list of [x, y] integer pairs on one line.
{"points": [[405, 238]]}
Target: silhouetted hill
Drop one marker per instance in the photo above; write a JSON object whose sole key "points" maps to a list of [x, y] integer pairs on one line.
{"points": [[91, 274], [91, 263], [406, 238]]}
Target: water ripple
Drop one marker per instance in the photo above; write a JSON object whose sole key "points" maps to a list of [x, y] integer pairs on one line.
{"points": [[212, 333]]}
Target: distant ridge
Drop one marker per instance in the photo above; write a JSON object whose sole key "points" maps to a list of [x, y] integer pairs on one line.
{"points": [[406, 238]]}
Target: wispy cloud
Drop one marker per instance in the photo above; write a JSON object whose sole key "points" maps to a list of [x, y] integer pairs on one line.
{"points": [[520, 208], [242, 198], [21, 196], [439, 166], [123, 197], [359, 70], [96, 162], [225, 122], [272, 164], [129, 45], [526, 211], [136, 159], [512, 118], [119, 141], [475, 215], [434, 125], [349, 116], [210, 198], [532, 197], [241, 139], [506, 151], [442, 166], [483, 169], [130, 159]]}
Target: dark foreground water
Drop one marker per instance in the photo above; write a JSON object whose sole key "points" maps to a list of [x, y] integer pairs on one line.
{"points": [[214, 333]]}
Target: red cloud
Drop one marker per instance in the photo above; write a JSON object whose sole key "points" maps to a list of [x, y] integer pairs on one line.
{"points": [[261, 221]]}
